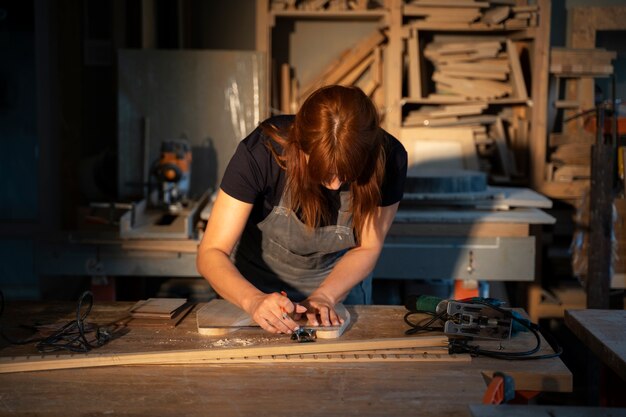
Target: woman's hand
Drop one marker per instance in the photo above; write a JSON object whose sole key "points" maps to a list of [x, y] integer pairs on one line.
{"points": [[274, 312], [320, 310]]}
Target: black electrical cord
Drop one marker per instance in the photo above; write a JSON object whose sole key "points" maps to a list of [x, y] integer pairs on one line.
{"points": [[461, 345], [419, 327], [71, 336]]}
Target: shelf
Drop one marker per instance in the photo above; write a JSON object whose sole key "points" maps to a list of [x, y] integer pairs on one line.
{"points": [[499, 101], [323, 14], [463, 27]]}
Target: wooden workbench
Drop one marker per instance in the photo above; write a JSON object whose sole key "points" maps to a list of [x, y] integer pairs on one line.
{"points": [[354, 388], [604, 333]]}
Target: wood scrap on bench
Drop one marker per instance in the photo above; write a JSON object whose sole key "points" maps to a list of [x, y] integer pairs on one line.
{"points": [[157, 313], [219, 317]]}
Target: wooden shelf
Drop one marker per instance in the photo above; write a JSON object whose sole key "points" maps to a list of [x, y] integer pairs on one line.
{"points": [[505, 101], [324, 14], [463, 27]]}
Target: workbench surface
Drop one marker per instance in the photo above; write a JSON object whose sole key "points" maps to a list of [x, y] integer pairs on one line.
{"points": [[604, 333], [393, 388]]}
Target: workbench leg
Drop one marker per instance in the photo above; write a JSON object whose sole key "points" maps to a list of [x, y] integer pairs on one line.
{"points": [[103, 288]]}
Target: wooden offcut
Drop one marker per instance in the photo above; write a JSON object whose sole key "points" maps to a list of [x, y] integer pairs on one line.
{"points": [[157, 307], [219, 317]]}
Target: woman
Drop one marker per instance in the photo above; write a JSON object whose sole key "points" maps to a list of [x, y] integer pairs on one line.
{"points": [[308, 200]]}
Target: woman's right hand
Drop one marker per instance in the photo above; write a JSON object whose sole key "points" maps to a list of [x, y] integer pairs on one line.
{"points": [[274, 312]]}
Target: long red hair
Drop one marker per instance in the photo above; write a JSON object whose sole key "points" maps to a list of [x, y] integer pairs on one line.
{"points": [[336, 133]]}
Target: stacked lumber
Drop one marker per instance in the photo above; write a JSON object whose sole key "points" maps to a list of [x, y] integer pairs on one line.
{"points": [[158, 312], [450, 11], [448, 115], [360, 65], [474, 13], [476, 70], [569, 156], [322, 5], [590, 62], [279, 5]]}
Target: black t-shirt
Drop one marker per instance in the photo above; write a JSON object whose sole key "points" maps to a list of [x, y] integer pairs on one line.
{"points": [[253, 175]]}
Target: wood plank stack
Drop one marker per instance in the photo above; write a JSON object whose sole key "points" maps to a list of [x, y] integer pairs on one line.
{"points": [[322, 5], [483, 70], [593, 62], [360, 65], [158, 312], [475, 13], [570, 147]]}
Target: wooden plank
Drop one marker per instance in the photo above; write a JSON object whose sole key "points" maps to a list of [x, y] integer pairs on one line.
{"points": [[540, 87], [569, 173], [517, 76], [158, 307], [496, 15], [348, 61], [157, 322], [285, 88], [88, 360], [455, 3], [351, 77], [464, 137], [508, 165], [345, 357], [415, 79], [501, 76]]}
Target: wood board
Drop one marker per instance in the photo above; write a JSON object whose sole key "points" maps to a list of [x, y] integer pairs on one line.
{"points": [[158, 322], [219, 317], [157, 307], [87, 360], [415, 140]]}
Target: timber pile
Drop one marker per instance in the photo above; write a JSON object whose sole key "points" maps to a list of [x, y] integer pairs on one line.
{"points": [[569, 159], [474, 13], [581, 62], [483, 70], [471, 75], [359, 66]]}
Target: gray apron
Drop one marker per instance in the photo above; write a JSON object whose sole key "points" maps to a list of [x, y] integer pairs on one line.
{"points": [[295, 258]]}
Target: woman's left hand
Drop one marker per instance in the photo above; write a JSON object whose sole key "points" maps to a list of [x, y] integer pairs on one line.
{"points": [[321, 311]]}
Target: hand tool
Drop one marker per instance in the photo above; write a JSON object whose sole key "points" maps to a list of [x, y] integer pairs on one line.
{"points": [[282, 309]]}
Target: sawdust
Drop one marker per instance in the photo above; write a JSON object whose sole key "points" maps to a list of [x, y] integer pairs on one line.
{"points": [[232, 342], [239, 342]]}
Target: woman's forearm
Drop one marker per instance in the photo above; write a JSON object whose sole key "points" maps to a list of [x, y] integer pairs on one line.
{"points": [[351, 269], [216, 267]]}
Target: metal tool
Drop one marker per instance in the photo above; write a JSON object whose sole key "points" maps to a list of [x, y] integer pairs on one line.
{"points": [[476, 320], [304, 335], [172, 171], [474, 317]]}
